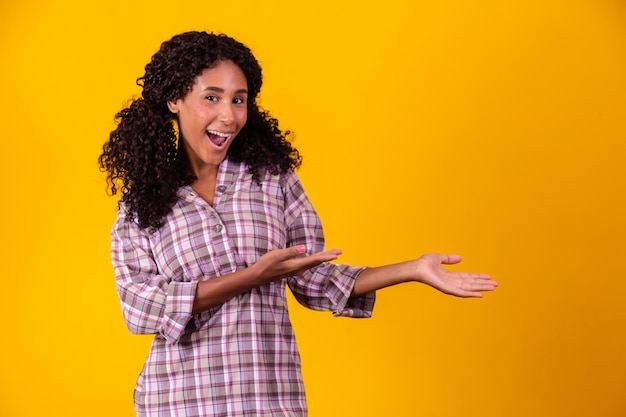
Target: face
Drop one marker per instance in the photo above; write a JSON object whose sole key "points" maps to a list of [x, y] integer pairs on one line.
{"points": [[212, 114]]}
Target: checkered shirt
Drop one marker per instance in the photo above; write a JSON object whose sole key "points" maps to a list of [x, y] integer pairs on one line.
{"points": [[239, 358]]}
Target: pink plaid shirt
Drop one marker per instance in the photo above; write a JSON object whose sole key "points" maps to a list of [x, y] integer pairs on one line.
{"points": [[239, 358]]}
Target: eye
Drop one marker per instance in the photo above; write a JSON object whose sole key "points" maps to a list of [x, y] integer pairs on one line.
{"points": [[212, 98], [239, 100]]}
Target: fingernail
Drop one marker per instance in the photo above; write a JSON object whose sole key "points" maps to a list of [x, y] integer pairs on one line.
{"points": [[301, 249]]}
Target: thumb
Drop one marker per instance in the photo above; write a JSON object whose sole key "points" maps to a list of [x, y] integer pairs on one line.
{"points": [[450, 259], [294, 251]]}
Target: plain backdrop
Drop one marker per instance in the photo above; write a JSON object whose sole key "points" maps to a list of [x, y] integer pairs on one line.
{"points": [[492, 129]]}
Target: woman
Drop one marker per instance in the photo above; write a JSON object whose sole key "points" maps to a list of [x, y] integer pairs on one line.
{"points": [[213, 225]]}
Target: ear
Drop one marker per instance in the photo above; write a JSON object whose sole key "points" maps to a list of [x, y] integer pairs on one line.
{"points": [[173, 106]]}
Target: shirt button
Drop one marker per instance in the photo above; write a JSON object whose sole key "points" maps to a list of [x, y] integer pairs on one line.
{"points": [[217, 228], [221, 188]]}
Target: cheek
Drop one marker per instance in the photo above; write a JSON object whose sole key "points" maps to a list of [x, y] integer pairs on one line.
{"points": [[200, 112], [243, 118], [190, 114]]}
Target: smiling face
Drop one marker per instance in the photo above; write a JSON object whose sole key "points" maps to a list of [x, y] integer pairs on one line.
{"points": [[211, 115]]}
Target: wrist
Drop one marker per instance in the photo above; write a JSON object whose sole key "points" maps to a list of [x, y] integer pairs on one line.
{"points": [[411, 270]]}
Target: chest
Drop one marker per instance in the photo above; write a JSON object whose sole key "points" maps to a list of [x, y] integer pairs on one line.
{"points": [[199, 240]]}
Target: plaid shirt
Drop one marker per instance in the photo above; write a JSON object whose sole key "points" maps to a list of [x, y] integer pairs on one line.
{"points": [[239, 358]]}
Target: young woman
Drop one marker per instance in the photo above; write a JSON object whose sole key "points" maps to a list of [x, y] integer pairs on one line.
{"points": [[213, 225]]}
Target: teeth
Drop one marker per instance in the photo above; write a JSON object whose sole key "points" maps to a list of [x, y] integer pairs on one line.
{"points": [[222, 134]]}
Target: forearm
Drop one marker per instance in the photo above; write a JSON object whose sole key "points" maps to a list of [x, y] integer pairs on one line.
{"points": [[428, 269], [273, 266], [372, 279], [216, 291]]}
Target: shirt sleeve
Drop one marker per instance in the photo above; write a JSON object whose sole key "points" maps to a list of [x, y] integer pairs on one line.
{"points": [[328, 286], [151, 303]]}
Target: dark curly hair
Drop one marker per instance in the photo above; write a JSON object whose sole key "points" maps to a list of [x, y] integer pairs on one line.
{"points": [[142, 158]]}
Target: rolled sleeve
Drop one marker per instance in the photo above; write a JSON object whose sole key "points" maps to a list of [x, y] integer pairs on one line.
{"points": [[151, 303], [328, 286]]}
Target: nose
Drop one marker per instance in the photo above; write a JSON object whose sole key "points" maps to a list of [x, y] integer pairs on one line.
{"points": [[227, 116]]}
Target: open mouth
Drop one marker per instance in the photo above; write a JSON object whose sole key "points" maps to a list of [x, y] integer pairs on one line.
{"points": [[218, 138]]}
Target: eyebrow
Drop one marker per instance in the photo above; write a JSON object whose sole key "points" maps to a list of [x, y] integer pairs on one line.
{"points": [[221, 90]]}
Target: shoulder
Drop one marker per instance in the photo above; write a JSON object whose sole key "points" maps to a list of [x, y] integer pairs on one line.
{"points": [[289, 179]]}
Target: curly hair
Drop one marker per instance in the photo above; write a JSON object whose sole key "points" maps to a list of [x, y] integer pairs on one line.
{"points": [[142, 158]]}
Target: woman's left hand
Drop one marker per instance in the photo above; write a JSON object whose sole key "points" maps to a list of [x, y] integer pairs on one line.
{"points": [[430, 271]]}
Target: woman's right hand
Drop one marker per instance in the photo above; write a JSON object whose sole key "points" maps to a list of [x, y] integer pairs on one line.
{"points": [[284, 263], [273, 266]]}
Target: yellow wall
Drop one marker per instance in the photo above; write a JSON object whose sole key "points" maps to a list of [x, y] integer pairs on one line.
{"points": [[494, 129]]}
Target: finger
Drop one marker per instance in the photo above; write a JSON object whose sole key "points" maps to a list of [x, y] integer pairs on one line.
{"points": [[470, 291], [483, 279], [330, 255], [302, 263], [487, 281], [308, 262], [470, 294], [478, 286], [335, 252], [450, 259], [469, 275], [474, 279], [294, 251], [474, 276], [463, 292]]}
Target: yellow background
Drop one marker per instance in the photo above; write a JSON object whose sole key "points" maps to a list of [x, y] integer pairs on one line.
{"points": [[493, 129]]}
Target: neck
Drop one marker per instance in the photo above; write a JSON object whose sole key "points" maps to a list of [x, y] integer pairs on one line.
{"points": [[195, 167], [204, 184], [204, 172]]}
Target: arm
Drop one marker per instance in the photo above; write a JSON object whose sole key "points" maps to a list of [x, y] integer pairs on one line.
{"points": [[153, 303], [327, 287], [273, 266], [427, 270], [324, 287]]}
